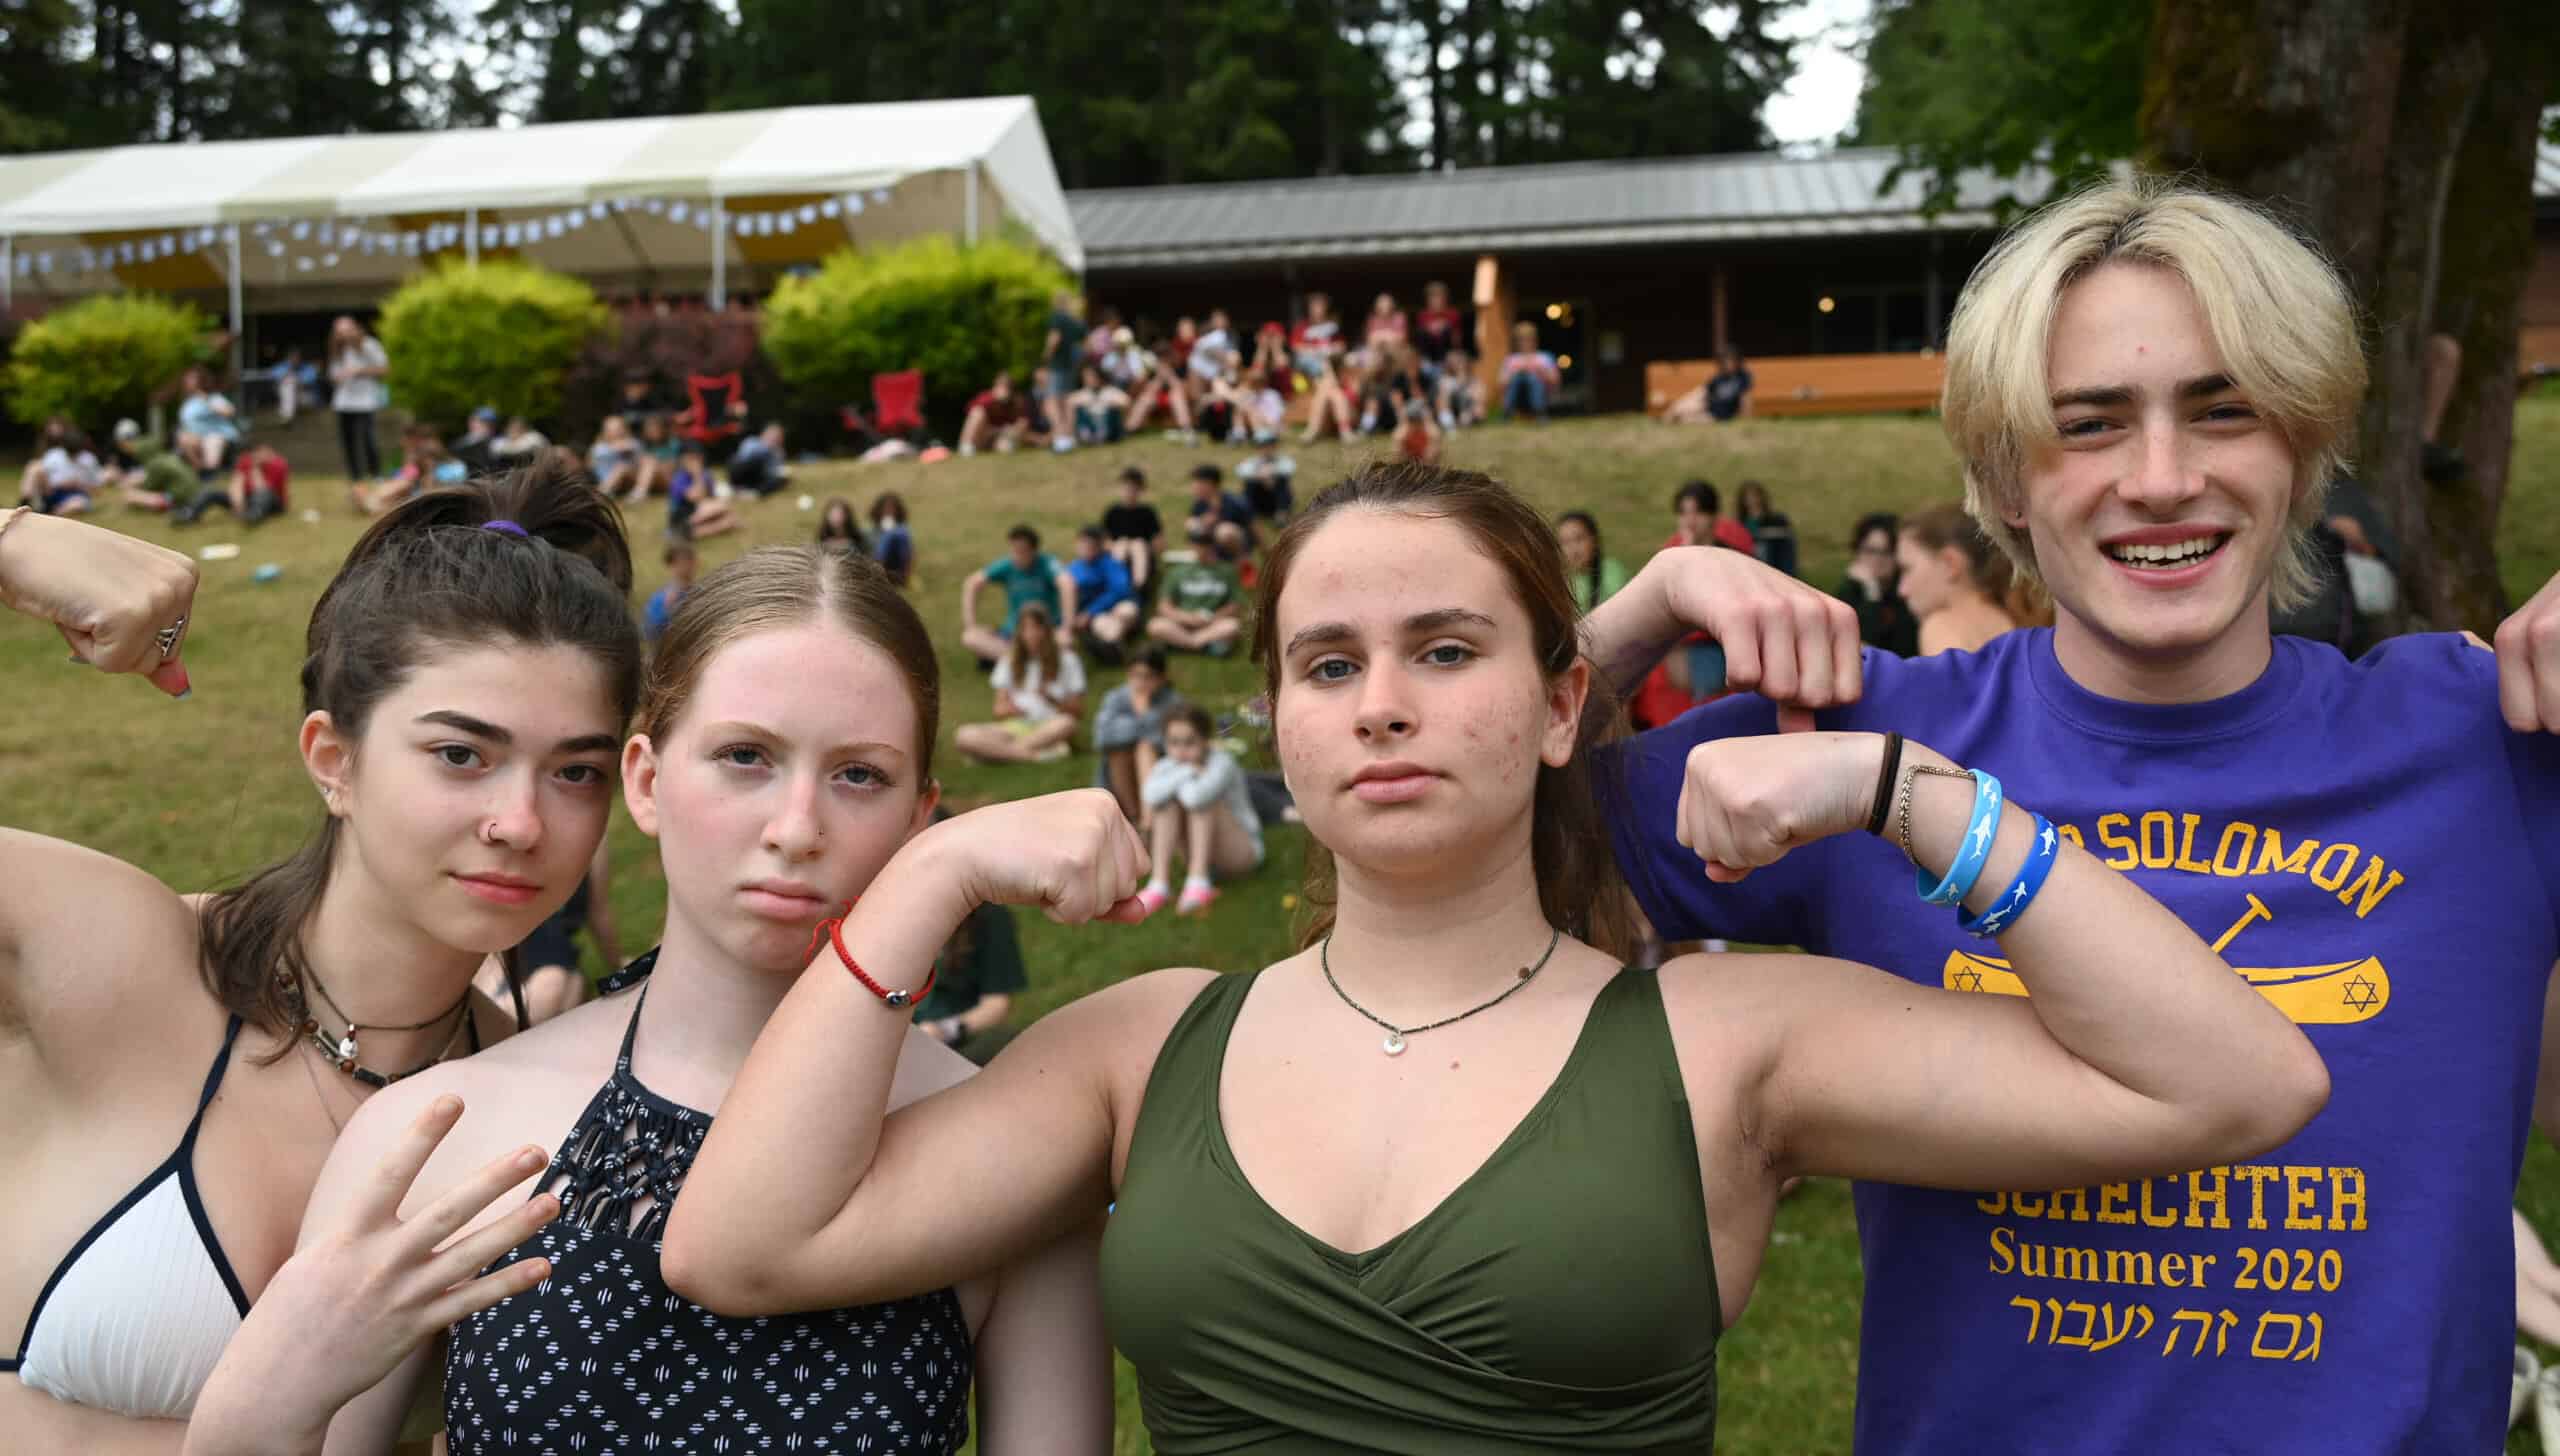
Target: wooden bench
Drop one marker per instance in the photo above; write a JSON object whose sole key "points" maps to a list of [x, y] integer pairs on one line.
{"points": [[1812, 384]]}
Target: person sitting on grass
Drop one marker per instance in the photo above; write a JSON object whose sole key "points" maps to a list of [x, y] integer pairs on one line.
{"points": [[1195, 804], [1419, 440], [1454, 396], [617, 461], [1594, 575], [144, 474], [1212, 505], [64, 476], [1040, 687], [893, 544], [838, 527], [1106, 612], [477, 446], [1270, 482], [1529, 375], [1201, 608], [974, 982], [258, 491], [1128, 729], [519, 442], [694, 507], [1099, 407], [208, 427], [1029, 576], [262, 487], [1133, 531], [682, 561], [759, 464], [996, 418], [661, 454], [423, 463]]}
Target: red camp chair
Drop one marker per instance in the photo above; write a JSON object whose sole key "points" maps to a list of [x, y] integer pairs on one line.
{"points": [[897, 403], [719, 404]]}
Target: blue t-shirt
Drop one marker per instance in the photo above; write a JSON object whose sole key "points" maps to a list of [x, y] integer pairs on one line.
{"points": [[1039, 583], [2380, 854], [660, 611], [1101, 584], [198, 415]]}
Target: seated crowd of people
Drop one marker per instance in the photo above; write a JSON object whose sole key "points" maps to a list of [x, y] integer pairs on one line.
{"points": [[1409, 376]]}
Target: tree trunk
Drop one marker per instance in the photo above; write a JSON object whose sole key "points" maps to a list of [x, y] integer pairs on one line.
{"points": [[1434, 30], [2286, 102], [2353, 118], [2446, 60], [2488, 252]]}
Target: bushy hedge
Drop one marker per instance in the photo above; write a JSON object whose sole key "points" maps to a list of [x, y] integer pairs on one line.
{"points": [[501, 333], [102, 357], [957, 313]]}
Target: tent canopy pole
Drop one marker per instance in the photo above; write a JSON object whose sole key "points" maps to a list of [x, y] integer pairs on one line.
{"points": [[969, 193], [719, 253], [471, 236], [231, 251]]}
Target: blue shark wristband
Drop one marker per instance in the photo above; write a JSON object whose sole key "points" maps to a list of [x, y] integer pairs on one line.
{"points": [[1978, 834], [2013, 901]]}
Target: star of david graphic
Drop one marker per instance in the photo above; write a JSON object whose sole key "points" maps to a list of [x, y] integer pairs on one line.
{"points": [[2359, 993], [1968, 979]]}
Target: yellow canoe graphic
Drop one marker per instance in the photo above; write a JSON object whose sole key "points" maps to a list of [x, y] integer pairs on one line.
{"points": [[2348, 991]]}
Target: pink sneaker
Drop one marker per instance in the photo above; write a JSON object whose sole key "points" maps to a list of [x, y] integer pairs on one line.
{"points": [[1153, 898], [1195, 900]]}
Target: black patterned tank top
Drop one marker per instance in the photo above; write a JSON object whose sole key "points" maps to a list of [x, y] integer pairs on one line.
{"points": [[603, 1357]]}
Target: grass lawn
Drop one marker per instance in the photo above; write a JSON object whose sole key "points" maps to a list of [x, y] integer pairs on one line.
{"points": [[202, 791]]}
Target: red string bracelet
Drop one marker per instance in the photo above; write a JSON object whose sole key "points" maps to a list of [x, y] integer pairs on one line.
{"points": [[832, 931]]}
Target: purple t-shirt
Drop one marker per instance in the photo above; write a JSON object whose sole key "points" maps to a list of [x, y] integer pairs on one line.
{"points": [[2380, 855]]}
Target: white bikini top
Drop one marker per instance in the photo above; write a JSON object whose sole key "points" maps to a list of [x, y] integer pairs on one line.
{"points": [[137, 1313]]}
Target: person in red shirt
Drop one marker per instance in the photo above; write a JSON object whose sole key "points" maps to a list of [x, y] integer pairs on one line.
{"points": [[996, 418], [1693, 672], [1317, 340], [260, 488], [1437, 329]]}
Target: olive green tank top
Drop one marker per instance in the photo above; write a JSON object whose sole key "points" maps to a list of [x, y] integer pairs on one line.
{"points": [[1562, 1298]]}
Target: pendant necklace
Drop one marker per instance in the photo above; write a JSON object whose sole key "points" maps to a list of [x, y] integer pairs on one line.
{"points": [[343, 1052], [1394, 1044]]}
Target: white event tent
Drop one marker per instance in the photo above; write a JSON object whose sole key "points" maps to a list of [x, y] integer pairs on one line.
{"points": [[665, 203]]}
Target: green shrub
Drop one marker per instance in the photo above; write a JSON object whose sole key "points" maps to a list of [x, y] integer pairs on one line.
{"points": [[102, 357], [957, 313], [502, 334]]}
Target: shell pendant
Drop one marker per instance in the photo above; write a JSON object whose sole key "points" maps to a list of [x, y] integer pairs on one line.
{"points": [[1394, 1044]]}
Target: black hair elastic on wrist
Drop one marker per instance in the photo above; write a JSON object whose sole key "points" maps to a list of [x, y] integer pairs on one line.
{"points": [[1884, 783]]}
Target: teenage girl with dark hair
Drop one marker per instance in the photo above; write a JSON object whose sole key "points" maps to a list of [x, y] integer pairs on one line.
{"points": [[179, 1067]]}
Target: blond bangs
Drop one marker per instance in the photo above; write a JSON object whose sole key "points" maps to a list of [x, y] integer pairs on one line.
{"points": [[2280, 315]]}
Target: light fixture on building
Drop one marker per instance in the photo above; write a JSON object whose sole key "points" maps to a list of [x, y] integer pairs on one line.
{"points": [[1564, 361], [1826, 304], [1555, 311]]}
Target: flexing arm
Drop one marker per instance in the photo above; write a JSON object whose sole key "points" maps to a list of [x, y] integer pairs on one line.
{"points": [[969, 590], [805, 1196], [2137, 1050], [1782, 638]]}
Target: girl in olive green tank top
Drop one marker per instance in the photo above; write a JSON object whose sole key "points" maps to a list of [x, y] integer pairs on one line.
{"points": [[1563, 1297], [1550, 1227]]}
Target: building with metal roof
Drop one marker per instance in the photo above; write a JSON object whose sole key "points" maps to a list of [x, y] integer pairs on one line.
{"points": [[1617, 263], [1742, 198]]}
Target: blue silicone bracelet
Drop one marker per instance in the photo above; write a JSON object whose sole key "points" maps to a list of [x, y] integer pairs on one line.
{"points": [[1978, 834], [2013, 901]]}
